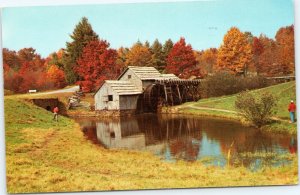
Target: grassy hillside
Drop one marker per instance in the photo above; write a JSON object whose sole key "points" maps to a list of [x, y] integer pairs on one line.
{"points": [[45, 156], [225, 106], [284, 93]]}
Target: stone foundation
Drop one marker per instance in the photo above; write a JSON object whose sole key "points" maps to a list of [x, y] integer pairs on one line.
{"points": [[49, 104]]}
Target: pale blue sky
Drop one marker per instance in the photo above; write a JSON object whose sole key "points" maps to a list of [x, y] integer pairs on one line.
{"points": [[202, 23]]}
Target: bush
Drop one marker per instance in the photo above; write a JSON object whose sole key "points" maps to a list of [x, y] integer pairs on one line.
{"points": [[223, 83], [218, 85], [8, 92], [256, 108]]}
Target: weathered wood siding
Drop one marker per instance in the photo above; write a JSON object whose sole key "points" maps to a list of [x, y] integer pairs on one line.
{"points": [[128, 102], [134, 79], [120, 102], [147, 83], [119, 134], [101, 99]]}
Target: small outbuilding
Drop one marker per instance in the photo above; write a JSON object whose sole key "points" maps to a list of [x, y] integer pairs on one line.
{"points": [[116, 95]]}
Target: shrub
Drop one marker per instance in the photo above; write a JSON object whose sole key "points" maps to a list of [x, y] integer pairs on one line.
{"points": [[223, 83], [219, 84], [254, 82], [256, 108]]}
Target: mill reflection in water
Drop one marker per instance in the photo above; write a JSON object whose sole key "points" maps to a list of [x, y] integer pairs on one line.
{"points": [[174, 137]]}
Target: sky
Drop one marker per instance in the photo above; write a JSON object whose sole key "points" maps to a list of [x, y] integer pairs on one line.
{"points": [[202, 23]]}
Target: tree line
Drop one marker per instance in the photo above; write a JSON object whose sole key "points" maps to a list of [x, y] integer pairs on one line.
{"points": [[88, 60]]}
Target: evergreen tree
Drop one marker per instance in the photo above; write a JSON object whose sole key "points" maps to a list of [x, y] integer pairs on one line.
{"points": [[147, 44], [167, 47], [158, 58], [55, 58], [82, 35], [122, 57]]}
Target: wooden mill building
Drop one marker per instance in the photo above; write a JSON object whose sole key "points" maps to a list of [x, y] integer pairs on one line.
{"points": [[143, 89]]}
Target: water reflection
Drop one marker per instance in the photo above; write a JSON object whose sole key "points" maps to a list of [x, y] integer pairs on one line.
{"points": [[212, 141]]}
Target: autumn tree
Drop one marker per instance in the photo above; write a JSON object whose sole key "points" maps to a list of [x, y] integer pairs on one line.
{"points": [[11, 59], [139, 55], [8, 76], [258, 49], [55, 58], [286, 49], [26, 54], [207, 60], [56, 76], [28, 73], [82, 35], [158, 58], [97, 63], [32, 70], [181, 60], [265, 56], [235, 53]]}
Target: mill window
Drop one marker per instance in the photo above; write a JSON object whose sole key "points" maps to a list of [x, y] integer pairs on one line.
{"points": [[110, 98]]}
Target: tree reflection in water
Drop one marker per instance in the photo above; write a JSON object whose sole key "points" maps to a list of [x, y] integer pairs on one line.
{"points": [[176, 137]]}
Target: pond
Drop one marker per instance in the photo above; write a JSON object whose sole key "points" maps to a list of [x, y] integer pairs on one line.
{"points": [[212, 141]]}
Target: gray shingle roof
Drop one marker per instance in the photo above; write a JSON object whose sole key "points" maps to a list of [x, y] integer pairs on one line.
{"points": [[168, 76], [123, 87], [148, 73], [145, 73]]}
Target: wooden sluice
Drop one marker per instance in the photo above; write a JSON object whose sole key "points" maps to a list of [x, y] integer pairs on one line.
{"points": [[170, 92], [280, 79]]}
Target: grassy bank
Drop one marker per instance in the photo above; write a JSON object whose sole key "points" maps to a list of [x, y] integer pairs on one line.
{"points": [[225, 107], [45, 156]]}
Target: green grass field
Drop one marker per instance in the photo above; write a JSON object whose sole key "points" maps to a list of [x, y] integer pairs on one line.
{"points": [[284, 93], [45, 156]]}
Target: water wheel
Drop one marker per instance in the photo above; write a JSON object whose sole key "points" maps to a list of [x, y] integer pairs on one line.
{"points": [[152, 97]]}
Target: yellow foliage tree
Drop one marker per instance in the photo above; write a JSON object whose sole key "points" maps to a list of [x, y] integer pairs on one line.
{"points": [[56, 76], [235, 54], [139, 55]]}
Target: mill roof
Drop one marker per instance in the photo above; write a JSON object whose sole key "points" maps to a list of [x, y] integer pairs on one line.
{"points": [[168, 76], [143, 72], [123, 87]]}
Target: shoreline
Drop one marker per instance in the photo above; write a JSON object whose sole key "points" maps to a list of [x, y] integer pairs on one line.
{"points": [[277, 126]]}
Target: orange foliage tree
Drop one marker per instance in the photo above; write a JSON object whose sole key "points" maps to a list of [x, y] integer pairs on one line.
{"points": [[266, 62], [258, 49], [235, 54], [286, 49], [207, 60], [56, 76]]}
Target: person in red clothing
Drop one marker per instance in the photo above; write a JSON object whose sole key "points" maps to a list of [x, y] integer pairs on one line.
{"points": [[292, 109], [55, 112]]}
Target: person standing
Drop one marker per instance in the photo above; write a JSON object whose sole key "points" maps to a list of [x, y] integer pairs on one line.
{"points": [[292, 109], [55, 112]]}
